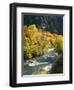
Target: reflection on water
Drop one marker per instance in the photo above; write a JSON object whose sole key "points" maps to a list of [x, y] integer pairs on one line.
{"points": [[39, 65]]}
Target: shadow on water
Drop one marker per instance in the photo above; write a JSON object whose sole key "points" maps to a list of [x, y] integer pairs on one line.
{"points": [[57, 68]]}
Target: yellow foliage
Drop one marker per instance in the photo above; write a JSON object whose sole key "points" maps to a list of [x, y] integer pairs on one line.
{"points": [[37, 41]]}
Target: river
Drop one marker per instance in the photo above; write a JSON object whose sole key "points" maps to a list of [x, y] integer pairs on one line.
{"points": [[39, 65]]}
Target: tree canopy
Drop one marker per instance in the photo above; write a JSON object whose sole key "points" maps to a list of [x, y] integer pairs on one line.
{"points": [[52, 23], [37, 41]]}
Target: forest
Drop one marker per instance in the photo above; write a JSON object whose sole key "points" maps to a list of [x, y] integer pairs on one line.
{"points": [[42, 44], [37, 42]]}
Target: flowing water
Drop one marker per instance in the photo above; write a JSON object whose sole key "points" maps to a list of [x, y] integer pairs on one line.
{"points": [[39, 65]]}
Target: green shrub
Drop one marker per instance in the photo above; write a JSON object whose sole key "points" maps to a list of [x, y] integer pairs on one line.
{"points": [[27, 53], [59, 44]]}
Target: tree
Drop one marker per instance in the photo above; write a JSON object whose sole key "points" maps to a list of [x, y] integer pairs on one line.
{"points": [[37, 42], [59, 44]]}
